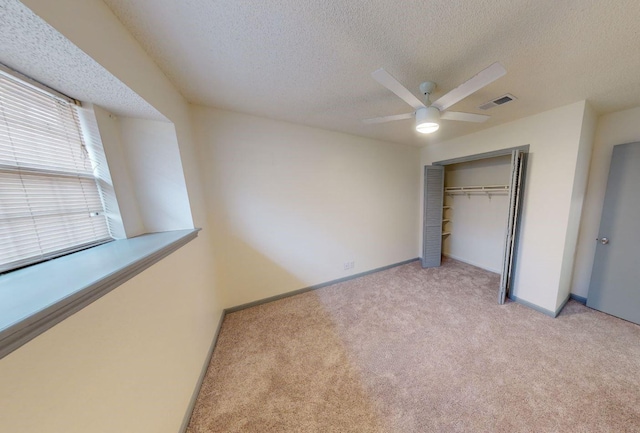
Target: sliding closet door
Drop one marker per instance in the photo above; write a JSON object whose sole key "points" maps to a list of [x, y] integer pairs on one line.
{"points": [[517, 167], [432, 217]]}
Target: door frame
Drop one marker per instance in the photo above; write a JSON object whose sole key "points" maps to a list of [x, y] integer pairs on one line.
{"points": [[523, 179], [485, 155]]}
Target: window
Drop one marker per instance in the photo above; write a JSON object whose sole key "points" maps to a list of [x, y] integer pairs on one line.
{"points": [[57, 197], [50, 202]]}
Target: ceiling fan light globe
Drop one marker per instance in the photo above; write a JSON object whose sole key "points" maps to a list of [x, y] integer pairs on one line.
{"points": [[427, 120], [427, 127]]}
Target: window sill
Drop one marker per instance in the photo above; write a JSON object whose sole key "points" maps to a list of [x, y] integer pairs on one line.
{"points": [[36, 298]]}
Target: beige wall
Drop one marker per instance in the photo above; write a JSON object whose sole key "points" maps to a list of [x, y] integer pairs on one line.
{"points": [[615, 128], [126, 363], [151, 149], [130, 361], [554, 139], [290, 204]]}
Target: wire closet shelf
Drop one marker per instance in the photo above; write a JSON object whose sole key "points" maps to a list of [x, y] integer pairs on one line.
{"points": [[488, 190]]}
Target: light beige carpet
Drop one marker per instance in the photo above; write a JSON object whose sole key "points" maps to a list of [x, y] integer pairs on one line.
{"points": [[415, 350]]}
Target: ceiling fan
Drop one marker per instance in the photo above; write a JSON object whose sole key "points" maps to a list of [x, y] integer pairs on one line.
{"points": [[428, 114]]}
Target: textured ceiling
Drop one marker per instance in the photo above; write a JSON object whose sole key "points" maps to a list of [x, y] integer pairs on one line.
{"points": [[309, 62], [34, 48]]}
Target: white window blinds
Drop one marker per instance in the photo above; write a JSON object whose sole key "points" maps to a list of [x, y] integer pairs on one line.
{"points": [[49, 199]]}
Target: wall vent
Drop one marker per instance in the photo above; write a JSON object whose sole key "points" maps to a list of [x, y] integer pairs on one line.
{"points": [[497, 101]]}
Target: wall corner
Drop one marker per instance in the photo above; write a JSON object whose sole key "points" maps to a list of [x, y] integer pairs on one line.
{"points": [[580, 180]]}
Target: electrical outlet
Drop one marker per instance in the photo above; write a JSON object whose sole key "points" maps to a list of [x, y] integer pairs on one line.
{"points": [[349, 265]]}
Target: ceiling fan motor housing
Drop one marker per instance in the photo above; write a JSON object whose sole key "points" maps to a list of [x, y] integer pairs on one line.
{"points": [[427, 87]]}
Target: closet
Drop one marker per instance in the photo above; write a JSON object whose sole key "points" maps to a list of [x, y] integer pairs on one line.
{"points": [[476, 202], [471, 210]]}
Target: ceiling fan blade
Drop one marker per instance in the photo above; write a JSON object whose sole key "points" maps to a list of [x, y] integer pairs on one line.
{"points": [[388, 118], [385, 78], [464, 117], [481, 79]]}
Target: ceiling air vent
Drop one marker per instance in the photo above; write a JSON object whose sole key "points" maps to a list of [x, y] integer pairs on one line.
{"points": [[498, 101]]}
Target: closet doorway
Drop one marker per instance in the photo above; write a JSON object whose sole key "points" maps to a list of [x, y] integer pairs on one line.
{"points": [[471, 211]]}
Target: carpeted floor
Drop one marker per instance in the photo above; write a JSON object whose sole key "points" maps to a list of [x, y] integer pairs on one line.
{"points": [[420, 350]]}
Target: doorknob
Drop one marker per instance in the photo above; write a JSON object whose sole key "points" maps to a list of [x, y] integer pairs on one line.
{"points": [[603, 241]]}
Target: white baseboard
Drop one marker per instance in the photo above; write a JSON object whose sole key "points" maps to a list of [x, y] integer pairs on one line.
{"points": [[469, 262]]}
